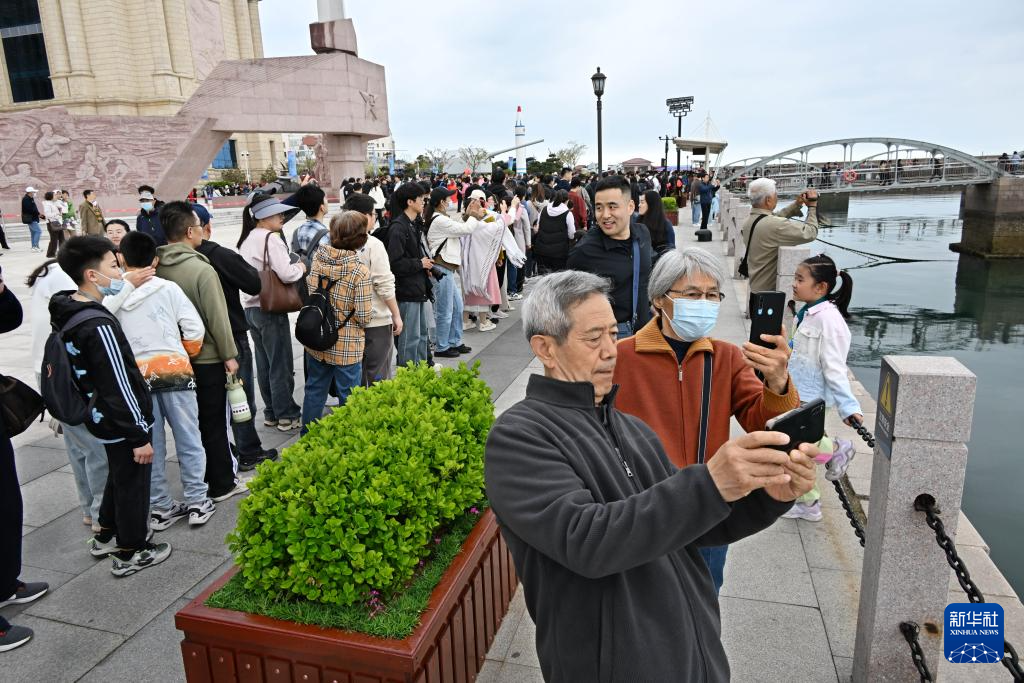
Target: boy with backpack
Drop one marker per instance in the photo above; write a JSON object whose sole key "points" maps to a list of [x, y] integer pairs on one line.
{"points": [[308, 237], [165, 331], [90, 375]]}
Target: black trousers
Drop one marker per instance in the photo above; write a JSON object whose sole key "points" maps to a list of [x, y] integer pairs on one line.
{"points": [[705, 214], [10, 522], [3, 238], [213, 428], [247, 441], [125, 506]]}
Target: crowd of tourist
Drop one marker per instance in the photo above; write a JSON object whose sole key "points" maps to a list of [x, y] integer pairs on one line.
{"points": [[158, 320]]}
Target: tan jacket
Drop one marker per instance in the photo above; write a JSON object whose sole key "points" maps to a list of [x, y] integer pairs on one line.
{"points": [[777, 230], [374, 255], [89, 222]]}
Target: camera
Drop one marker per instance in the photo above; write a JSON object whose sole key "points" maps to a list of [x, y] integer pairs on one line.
{"points": [[437, 272]]}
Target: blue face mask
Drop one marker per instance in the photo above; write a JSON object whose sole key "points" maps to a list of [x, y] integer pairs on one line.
{"points": [[113, 288], [692, 320], [147, 206]]}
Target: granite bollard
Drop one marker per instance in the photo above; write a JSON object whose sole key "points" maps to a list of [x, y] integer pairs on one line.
{"points": [[925, 407]]}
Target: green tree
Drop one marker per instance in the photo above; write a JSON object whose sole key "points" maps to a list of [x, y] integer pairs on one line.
{"points": [[549, 165], [570, 154], [268, 175], [234, 176]]}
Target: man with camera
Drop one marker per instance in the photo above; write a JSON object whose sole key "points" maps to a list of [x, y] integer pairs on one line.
{"points": [[411, 264], [766, 230]]}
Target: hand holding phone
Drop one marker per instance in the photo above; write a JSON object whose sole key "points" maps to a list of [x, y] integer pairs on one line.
{"points": [[805, 424]]}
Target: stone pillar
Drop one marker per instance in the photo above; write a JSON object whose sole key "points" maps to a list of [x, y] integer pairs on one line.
{"points": [[346, 158], [925, 406], [993, 216], [257, 30], [737, 247], [80, 79], [789, 259], [56, 49], [243, 29]]}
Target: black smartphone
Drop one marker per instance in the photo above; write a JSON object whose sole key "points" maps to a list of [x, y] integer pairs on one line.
{"points": [[766, 310], [805, 424]]}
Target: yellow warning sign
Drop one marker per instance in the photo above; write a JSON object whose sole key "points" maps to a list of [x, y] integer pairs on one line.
{"points": [[885, 398]]}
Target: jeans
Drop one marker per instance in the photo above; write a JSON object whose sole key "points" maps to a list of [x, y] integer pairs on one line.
{"points": [[412, 343], [378, 354], [512, 278], [319, 376], [625, 330], [714, 558], [36, 232], [705, 210], [10, 520], [89, 465], [212, 397], [181, 410], [275, 369], [448, 311], [247, 441], [125, 507], [695, 212]]}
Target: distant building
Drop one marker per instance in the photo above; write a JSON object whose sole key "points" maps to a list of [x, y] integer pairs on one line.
{"points": [[637, 165]]}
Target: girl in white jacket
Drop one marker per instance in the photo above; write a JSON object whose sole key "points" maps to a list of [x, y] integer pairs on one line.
{"points": [[821, 343]]}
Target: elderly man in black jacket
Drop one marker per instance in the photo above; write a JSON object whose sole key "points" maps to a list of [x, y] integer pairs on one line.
{"points": [[620, 251], [604, 531], [411, 264]]}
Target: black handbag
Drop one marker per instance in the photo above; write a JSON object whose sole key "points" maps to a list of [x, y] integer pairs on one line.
{"points": [[20, 405]]}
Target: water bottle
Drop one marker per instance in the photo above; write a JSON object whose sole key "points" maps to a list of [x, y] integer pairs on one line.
{"points": [[238, 400]]}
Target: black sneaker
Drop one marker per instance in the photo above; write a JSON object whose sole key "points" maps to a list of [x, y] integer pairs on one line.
{"points": [[25, 593], [162, 519], [13, 637], [447, 353], [129, 562], [462, 348]]}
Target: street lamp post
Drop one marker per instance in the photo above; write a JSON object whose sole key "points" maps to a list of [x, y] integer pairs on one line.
{"points": [[598, 80], [664, 162], [679, 107]]}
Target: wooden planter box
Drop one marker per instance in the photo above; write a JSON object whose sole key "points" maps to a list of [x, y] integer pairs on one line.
{"points": [[673, 217], [450, 643]]}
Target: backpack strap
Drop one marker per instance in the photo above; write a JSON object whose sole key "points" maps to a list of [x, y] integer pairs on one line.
{"points": [[750, 238], [311, 249], [81, 316], [705, 410], [443, 242]]}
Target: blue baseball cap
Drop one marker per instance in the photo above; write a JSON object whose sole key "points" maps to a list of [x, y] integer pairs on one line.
{"points": [[202, 212]]}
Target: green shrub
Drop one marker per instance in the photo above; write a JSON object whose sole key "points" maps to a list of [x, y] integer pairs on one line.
{"points": [[669, 203], [354, 505]]}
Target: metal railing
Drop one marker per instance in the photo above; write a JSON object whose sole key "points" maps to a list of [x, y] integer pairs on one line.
{"points": [[868, 176]]}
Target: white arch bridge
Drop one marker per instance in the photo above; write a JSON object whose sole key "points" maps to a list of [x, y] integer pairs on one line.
{"points": [[890, 163]]}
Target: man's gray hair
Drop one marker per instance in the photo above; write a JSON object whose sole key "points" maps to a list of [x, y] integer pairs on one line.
{"points": [[760, 190], [548, 309], [683, 263]]}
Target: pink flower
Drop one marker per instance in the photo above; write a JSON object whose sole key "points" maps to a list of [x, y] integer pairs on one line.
{"points": [[474, 511], [437, 540]]}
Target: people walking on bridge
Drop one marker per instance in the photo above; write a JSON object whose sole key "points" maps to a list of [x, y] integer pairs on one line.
{"points": [[687, 386], [766, 230], [603, 529], [821, 343]]}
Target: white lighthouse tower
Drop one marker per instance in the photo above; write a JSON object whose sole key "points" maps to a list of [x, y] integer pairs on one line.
{"points": [[520, 140]]}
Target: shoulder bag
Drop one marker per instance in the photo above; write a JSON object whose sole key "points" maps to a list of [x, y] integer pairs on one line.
{"points": [[276, 296]]}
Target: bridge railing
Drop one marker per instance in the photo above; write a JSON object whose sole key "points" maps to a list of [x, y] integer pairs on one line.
{"points": [[867, 176]]}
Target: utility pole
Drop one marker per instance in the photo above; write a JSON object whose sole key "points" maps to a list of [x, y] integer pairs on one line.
{"points": [[664, 162]]}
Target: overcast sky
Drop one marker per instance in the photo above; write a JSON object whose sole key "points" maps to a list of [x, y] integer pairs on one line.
{"points": [[773, 75]]}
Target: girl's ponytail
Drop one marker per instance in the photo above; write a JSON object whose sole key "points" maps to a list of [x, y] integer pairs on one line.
{"points": [[248, 220], [841, 297]]}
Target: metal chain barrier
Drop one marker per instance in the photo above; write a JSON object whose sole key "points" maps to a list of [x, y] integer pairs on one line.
{"points": [[910, 631], [854, 522], [926, 504]]}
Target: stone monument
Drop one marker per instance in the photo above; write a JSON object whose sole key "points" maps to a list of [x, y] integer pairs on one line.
{"points": [[333, 93]]}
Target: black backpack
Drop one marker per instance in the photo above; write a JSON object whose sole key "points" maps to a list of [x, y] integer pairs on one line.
{"points": [[316, 327], [58, 383], [20, 405], [307, 255]]}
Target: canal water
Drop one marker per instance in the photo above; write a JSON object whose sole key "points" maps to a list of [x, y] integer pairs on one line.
{"points": [[950, 305]]}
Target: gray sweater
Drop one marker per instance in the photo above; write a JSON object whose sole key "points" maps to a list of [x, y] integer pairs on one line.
{"points": [[604, 531]]}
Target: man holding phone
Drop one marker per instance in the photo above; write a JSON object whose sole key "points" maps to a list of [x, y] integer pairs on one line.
{"points": [[604, 530], [766, 230]]}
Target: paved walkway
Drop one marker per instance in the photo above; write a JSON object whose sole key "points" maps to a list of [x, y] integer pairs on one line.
{"points": [[789, 602]]}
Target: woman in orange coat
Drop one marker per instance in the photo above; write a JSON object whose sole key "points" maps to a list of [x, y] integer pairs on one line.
{"points": [[686, 385]]}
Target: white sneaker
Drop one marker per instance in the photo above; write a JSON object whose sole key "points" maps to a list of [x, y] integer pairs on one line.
{"points": [[98, 548], [161, 519], [487, 326], [467, 325], [200, 514], [239, 487], [810, 513], [499, 314], [515, 296], [149, 556], [287, 425]]}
